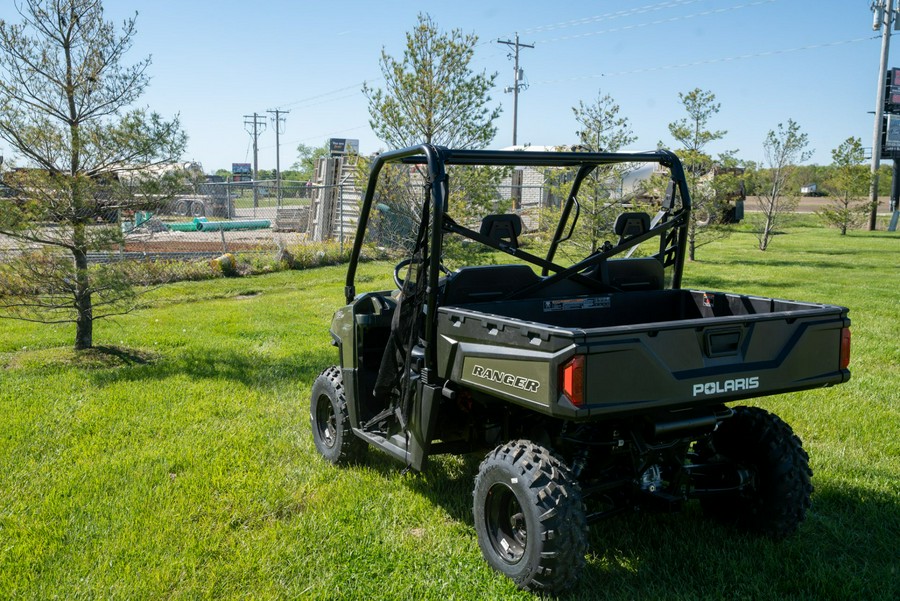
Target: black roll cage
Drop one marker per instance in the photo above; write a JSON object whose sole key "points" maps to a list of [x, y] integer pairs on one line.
{"points": [[671, 224]]}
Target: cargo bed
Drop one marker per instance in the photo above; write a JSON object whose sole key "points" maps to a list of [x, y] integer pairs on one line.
{"points": [[643, 350]]}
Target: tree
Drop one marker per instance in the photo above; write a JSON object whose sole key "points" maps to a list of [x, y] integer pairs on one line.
{"points": [[783, 149], [694, 135], [65, 98], [849, 182], [601, 129], [431, 95], [306, 160]]}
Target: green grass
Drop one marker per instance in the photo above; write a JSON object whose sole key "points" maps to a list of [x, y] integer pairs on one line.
{"points": [[267, 199], [177, 462]]}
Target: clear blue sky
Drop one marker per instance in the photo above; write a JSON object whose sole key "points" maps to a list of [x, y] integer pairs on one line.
{"points": [[815, 61]]}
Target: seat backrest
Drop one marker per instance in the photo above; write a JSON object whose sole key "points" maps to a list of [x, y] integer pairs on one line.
{"points": [[631, 224], [628, 275], [485, 283], [502, 228]]}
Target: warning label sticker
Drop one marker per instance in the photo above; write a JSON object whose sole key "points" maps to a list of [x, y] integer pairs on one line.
{"points": [[572, 304]]}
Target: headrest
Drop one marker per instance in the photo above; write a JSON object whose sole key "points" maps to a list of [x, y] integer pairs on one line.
{"points": [[631, 224], [502, 228]]}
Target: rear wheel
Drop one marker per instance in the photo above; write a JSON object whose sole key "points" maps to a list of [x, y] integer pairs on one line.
{"points": [[330, 420], [778, 495], [529, 517]]}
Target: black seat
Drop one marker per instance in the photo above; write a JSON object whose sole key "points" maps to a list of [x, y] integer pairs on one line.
{"points": [[502, 228], [629, 225], [484, 283], [629, 275]]}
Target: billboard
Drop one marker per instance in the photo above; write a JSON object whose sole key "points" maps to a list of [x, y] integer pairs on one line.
{"points": [[890, 137], [339, 146], [892, 91], [241, 172]]}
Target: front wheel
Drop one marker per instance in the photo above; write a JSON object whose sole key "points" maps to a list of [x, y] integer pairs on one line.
{"points": [[775, 501], [529, 517], [333, 437]]}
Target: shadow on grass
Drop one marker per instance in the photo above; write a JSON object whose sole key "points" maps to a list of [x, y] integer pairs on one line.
{"points": [[448, 483], [828, 252], [711, 282], [92, 359], [843, 550], [127, 356], [884, 234], [225, 364]]}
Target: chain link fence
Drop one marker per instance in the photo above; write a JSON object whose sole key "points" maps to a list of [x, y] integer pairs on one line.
{"points": [[228, 218], [212, 219], [263, 216]]}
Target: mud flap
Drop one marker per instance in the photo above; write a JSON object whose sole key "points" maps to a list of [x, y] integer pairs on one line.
{"points": [[423, 420]]}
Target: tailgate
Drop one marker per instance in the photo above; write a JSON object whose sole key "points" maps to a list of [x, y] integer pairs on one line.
{"points": [[712, 360]]}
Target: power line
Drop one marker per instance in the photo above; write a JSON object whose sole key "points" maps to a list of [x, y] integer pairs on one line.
{"points": [[705, 13], [329, 93], [327, 100], [708, 61], [611, 16], [321, 136]]}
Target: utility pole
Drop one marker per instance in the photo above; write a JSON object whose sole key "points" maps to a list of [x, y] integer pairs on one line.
{"points": [[279, 121], [253, 123], [517, 80], [884, 16]]}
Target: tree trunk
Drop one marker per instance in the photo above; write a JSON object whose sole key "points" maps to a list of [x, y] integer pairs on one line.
{"points": [[767, 232], [84, 322], [692, 239]]}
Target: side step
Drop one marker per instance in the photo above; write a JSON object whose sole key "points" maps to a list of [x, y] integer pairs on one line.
{"points": [[395, 446]]}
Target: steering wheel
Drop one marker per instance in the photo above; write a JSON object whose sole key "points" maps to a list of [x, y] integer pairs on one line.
{"points": [[397, 268], [400, 282]]}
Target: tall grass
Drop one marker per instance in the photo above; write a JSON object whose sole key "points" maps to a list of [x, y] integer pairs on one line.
{"points": [[177, 462]]}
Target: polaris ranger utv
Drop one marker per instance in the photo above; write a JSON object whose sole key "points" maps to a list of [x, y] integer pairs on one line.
{"points": [[595, 385]]}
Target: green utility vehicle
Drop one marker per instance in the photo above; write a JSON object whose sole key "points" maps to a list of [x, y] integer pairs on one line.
{"points": [[595, 385]]}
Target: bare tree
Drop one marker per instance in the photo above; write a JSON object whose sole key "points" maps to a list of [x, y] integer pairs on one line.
{"points": [[64, 109], [849, 183], [784, 148]]}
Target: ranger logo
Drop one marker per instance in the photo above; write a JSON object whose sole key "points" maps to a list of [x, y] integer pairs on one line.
{"points": [[500, 377], [719, 387]]}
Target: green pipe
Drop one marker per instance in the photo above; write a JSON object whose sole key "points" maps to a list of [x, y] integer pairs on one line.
{"points": [[250, 224], [187, 226]]}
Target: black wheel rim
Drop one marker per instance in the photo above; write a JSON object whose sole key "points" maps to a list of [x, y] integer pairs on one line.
{"points": [[505, 523], [326, 422]]}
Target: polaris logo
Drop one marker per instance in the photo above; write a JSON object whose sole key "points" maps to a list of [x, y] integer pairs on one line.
{"points": [[500, 377], [708, 388]]}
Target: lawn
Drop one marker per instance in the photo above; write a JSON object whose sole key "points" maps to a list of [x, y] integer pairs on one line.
{"points": [[178, 463]]}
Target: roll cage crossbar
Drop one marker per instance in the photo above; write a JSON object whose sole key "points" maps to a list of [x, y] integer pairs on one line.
{"points": [[670, 224]]}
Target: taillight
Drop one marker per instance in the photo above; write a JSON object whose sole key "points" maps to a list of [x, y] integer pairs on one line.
{"points": [[571, 378], [845, 348]]}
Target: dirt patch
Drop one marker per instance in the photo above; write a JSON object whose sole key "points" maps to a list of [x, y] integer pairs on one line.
{"points": [[99, 357], [811, 204]]}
